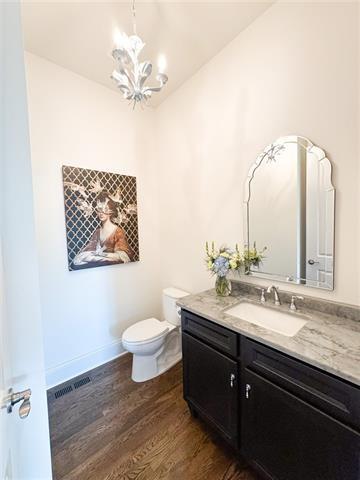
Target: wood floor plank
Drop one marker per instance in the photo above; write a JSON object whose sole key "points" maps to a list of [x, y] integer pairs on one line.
{"points": [[116, 429], [133, 438], [123, 417], [151, 454]]}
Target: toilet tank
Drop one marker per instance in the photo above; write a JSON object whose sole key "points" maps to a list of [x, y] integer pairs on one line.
{"points": [[171, 312]]}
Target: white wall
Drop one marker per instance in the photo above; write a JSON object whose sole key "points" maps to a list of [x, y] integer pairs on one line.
{"points": [[293, 71], [77, 122]]}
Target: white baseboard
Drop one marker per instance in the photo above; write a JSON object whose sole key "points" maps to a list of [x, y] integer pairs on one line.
{"points": [[67, 370]]}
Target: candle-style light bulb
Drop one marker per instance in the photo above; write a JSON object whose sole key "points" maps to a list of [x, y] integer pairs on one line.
{"points": [[117, 38], [162, 63]]}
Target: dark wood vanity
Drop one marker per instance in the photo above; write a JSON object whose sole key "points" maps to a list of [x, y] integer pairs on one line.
{"points": [[290, 420]]}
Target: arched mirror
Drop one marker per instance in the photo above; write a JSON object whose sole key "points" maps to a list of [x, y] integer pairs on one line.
{"points": [[289, 213]]}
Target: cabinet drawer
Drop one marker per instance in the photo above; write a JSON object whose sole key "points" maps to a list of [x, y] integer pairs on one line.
{"points": [[332, 395], [213, 334]]}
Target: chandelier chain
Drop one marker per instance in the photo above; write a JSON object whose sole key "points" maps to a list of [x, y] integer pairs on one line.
{"points": [[134, 16]]}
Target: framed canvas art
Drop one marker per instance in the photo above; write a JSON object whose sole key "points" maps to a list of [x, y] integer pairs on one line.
{"points": [[101, 218]]}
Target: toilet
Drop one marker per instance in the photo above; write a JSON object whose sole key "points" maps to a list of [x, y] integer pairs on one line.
{"points": [[155, 344]]}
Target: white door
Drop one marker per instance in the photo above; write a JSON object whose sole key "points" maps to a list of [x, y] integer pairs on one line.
{"points": [[319, 222], [24, 443]]}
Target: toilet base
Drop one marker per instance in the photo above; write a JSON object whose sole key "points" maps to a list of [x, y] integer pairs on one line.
{"points": [[146, 367]]}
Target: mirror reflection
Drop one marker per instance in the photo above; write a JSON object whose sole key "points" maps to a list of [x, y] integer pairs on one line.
{"points": [[289, 211]]}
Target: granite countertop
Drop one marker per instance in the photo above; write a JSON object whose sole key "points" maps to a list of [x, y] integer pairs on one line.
{"points": [[330, 340]]}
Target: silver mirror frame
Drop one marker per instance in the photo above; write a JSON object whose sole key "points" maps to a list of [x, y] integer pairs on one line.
{"points": [[269, 153]]}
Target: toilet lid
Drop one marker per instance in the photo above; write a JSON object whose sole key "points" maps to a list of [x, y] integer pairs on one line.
{"points": [[145, 330]]}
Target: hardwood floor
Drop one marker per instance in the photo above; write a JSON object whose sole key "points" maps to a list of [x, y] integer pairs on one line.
{"points": [[113, 428]]}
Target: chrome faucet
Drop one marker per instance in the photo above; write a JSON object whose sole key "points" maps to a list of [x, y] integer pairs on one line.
{"points": [[274, 289]]}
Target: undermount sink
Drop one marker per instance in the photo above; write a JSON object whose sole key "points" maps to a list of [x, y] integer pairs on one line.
{"points": [[278, 321]]}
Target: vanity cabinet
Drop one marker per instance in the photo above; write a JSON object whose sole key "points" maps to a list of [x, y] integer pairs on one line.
{"points": [[210, 386], [286, 438], [291, 420], [210, 376]]}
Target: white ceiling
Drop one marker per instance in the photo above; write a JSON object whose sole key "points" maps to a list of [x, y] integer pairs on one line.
{"points": [[79, 35]]}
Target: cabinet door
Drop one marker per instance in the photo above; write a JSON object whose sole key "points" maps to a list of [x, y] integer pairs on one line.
{"points": [[291, 440], [211, 385]]}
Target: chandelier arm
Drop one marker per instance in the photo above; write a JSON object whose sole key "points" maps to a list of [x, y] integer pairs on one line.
{"points": [[132, 82], [125, 90], [120, 78], [145, 73], [152, 89], [162, 79]]}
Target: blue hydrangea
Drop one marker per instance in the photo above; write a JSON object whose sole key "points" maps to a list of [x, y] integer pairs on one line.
{"points": [[221, 266]]}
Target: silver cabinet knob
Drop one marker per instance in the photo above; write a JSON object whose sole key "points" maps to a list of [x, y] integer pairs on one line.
{"points": [[13, 398]]}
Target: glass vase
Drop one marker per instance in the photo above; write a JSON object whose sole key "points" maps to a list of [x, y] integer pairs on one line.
{"points": [[222, 286]]}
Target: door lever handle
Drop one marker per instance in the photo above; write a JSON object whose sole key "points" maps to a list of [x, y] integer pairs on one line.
{"points": [[247, 390], [13, 398], [312, 262], [232, 380]]}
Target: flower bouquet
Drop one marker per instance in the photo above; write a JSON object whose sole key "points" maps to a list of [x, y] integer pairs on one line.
{"points": [[220, 262], [223, 260], [253, 257]]}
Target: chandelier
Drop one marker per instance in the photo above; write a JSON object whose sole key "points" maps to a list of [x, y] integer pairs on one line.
{"points": [[132, 75]]}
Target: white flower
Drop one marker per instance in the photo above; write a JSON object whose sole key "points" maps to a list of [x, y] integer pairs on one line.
{"points": [[76, 188], [131, 209], [122, 218], [95, 186], [85, 207], [117, 196], [233, 264]]}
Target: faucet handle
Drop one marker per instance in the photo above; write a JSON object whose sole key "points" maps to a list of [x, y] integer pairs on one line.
{"points": [[262, 297], [292, 304]]}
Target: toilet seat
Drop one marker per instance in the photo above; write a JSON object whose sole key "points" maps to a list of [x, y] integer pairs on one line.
{"points": [[146, 331]]}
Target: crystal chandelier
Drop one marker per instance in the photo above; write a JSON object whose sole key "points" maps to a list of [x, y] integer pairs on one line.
{"points": [[132, 75]]}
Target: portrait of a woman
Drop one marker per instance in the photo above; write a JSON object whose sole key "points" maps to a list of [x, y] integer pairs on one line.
{"points": [[108, 245]]}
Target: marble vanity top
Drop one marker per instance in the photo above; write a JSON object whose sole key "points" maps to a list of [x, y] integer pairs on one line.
{"points": [[330, 340]]}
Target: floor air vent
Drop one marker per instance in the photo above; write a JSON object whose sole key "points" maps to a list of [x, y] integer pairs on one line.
{"points": [[82, 382], [63, 391], [71, 387]]}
